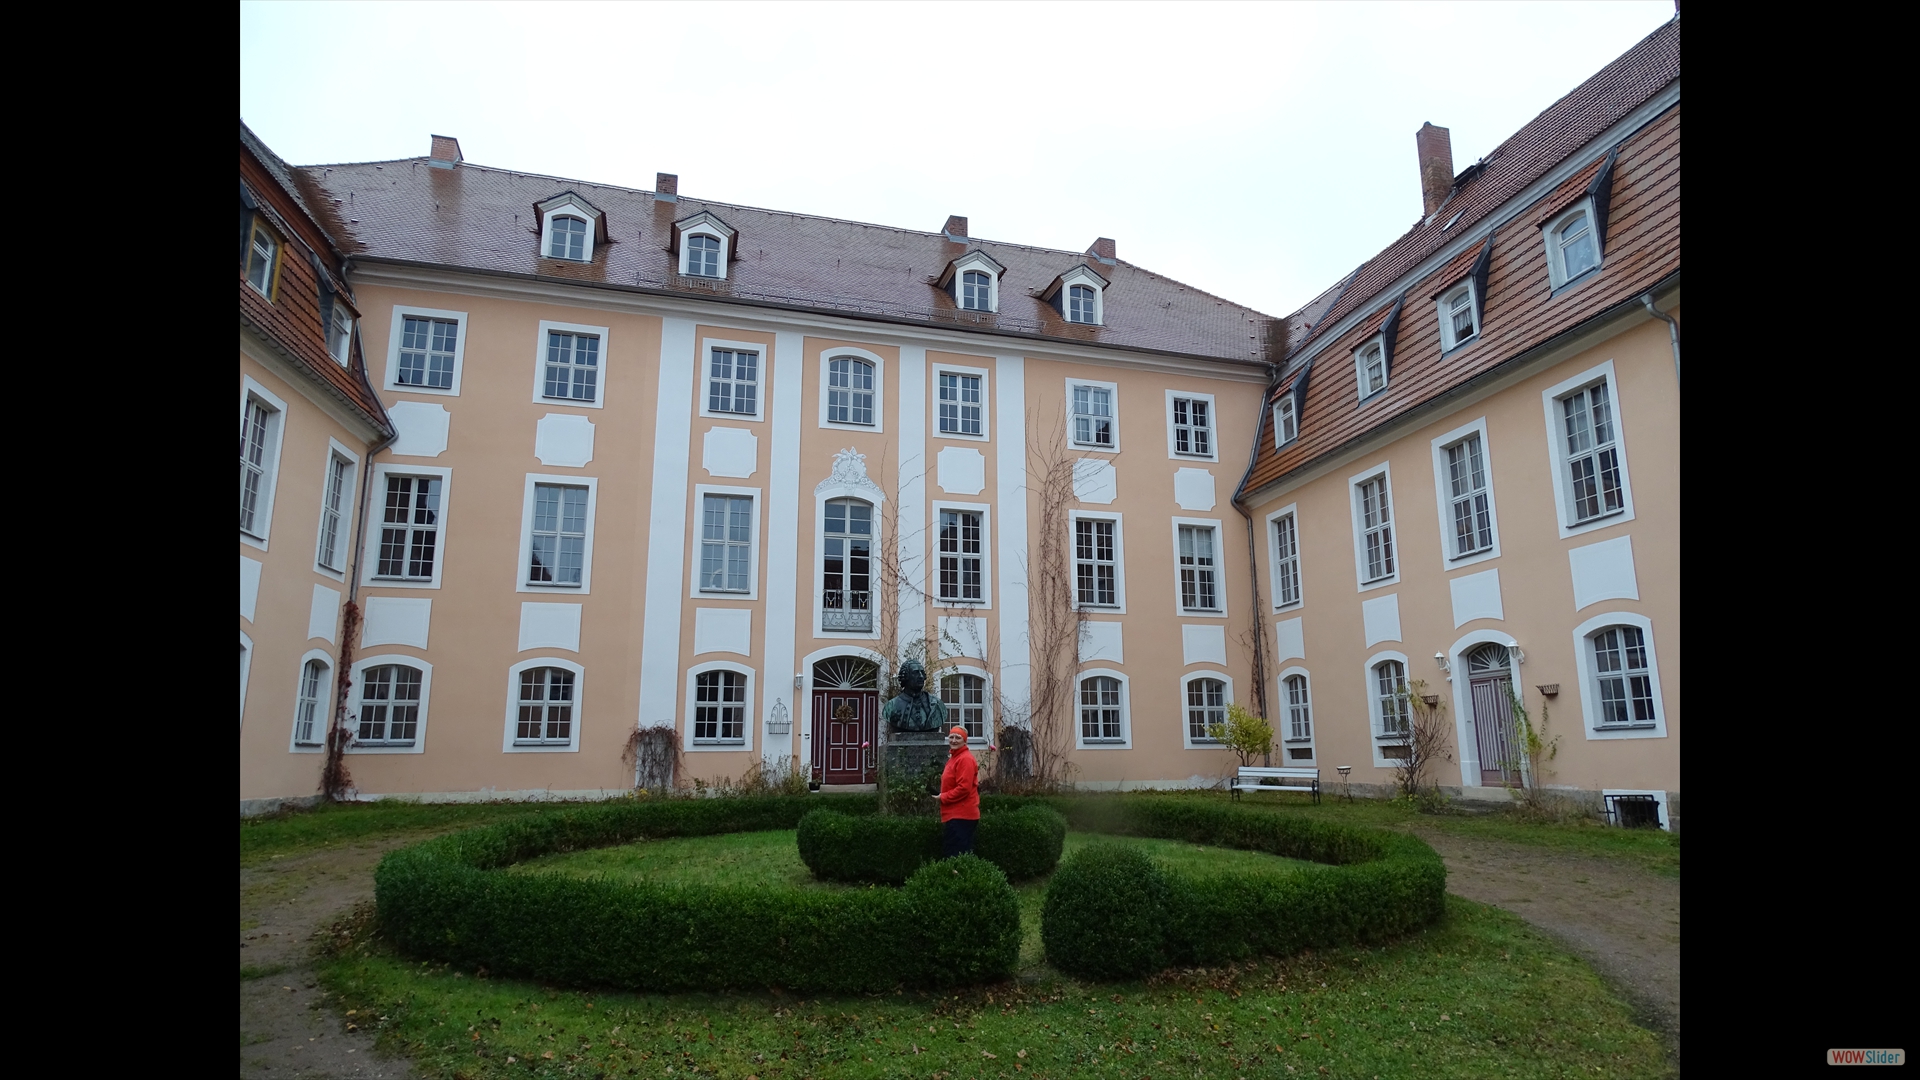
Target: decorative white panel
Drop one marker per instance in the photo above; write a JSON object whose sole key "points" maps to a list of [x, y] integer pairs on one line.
{"points": [[963, 471], [1203, 644], [1290, 642], [422, 426], [563, 439], [969, 636], [1193, 489], [396, 620], [1476, 596], [324, 615], [730, 451], [1603, 571], [1094, 481], [1382, 617], [723, 630], [549, 626], [1101, 641], [249, 586]]}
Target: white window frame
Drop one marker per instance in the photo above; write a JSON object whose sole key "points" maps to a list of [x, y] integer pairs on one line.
{"points": [[985, 510], [1376, 737], [1126, 711], [1447, 341], [988, 724], [975, 261], [358, 675], [1382, 472], [703, 228], [696, 517], [370, 554], [703, 377], [540, 366], [1589, 689], [748, 715], [1219, 569], [548, 233], [1443, 494], [986, 403], [827, 356], [342, 311], [1074, 517], [1283, 727], [1557, 452], [1378, 341], [1291, 510], [258, 226], [1285, 408], [822, 495], [1186, 732], [349, 503], [1113, 403], [592, 484], [507, 742], [251, 391], [1213, 427], [323, 714], [1081, 276], [1557, 275], [400, 314]]}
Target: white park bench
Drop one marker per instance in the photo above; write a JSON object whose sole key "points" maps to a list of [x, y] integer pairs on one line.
{"points": [[1260, 778]]}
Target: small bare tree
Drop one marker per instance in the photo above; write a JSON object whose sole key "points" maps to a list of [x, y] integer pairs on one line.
{"points": [[1426, 738]]}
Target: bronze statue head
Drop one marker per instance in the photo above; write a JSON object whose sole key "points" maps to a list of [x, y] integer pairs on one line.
{"points": [[913, 677]]}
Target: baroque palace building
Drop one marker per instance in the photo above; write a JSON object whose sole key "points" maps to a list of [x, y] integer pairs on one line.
{"points": [[527, 463]]}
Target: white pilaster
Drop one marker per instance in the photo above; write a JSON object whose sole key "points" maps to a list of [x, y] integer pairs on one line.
{"points": [[788, 375], [667, 527], [1014, 679], [912, 470]]}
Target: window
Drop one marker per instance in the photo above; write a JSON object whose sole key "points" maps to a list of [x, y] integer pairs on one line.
{"points": [[1286, 426], [726, 543], [720, 707], [966, 699], [1206, 708], [1391, 718], [546, 707], [1193, 426], [1467, 495], [1374, 553], [573, 365], [336, 504], [1371, 364], [960, 404], [389, 705], [339, 332], [733, 381], [1622, 677], [960, 554], [1298, 738], [703, 256], [1100, 710], [1198, 585], [557, 552], [1458, 320], [1080, 304], [309, 717], [1093, 415], [566, 238], [976, 290], [263, 259], [427, 349], [1096, 562], [1573, 245], [1286, 561], [258, 424], [847, 597], [850, 390], [1592, 458], [410, 529]]}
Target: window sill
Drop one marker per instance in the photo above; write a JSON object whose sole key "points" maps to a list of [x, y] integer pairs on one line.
{"points": [[308, 745], [379, 580], [1186, 455], [1086, 606], [367, 744], [416, 388], [538, 745], [1596, 519], [583, 403], [719, 742], [549, 585], [736, 594], [946, 601], [1470, 554], [1102, 742], [1296, 742], [1201, 611], [1645, 725], [959, 435]]}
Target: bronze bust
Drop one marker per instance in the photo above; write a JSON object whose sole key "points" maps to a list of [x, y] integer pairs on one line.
{"points": [[913, 709]]}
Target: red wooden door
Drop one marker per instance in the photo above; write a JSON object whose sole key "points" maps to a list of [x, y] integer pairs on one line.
{"points": [[842, 721]]}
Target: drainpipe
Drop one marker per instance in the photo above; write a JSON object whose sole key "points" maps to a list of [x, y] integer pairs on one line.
{"points": [[1673, 332], [1253, 558]]}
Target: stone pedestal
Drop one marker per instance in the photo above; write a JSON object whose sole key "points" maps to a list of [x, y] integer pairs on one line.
{"points": [[908, 752]]}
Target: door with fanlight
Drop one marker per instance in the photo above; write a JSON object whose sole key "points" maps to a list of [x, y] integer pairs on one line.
{"points": [[846, 719], [1495, 734]]}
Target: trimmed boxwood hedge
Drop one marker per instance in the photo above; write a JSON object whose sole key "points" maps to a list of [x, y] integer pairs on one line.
{"points": [[1113, 913], [956, 921], [1025, 842]]}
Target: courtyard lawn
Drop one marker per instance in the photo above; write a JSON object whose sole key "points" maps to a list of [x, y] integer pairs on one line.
{"points": [[292, 832]]}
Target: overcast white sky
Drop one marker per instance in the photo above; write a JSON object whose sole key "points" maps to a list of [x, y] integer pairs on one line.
{"points": [[1258, 151]]}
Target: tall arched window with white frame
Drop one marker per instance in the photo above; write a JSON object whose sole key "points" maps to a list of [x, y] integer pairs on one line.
{"points": [[965, 697], [1100, 709], [308, 715], [976, 290], [846, 599], [849, 391], [703, 256], [546, 707], [1206, 708], [389, 706], [1080, 304], [719, 706], [1299, 711], [1574, 242], [1391, 703], [567, 238], [1622, 677]]}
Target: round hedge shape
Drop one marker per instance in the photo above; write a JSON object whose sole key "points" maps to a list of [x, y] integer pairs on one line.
{"points": [[446, 900], [1105, 914], [1024, 842]]}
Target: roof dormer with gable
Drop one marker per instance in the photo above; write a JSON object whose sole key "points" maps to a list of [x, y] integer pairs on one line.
{"points": [[703, 245], [964, 290], [570, 227], [1088, 307]]}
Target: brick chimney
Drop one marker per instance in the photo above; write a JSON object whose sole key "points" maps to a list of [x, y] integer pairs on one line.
{"points": [[445, 153], [1435, 146], [1102, 249], [666, 187], [956, 227]]}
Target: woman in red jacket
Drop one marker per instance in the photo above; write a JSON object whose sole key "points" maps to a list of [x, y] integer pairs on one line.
{"points": [[959, 796]]}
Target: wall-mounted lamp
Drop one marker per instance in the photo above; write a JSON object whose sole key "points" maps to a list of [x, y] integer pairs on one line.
{"points": [[799, 679], [1519, 654], [1441, 659]]}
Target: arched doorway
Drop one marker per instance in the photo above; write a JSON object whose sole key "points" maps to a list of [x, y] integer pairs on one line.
{"points": [[846, 720], [1490, 684]]}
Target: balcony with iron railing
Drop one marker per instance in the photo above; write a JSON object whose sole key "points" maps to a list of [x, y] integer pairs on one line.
{"points": [[846, 610]]}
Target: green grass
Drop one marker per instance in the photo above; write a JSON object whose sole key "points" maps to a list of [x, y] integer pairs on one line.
{"points": [[329, 824]]}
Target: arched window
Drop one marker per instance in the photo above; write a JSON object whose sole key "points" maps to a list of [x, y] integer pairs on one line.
{"points": [[1100, 709], [1575, 241], [1622, 676], [307, 715], [1458, 322], [567, 238], [849, 391], [1299, 712], [976, 291], [966, 700], [389, 705], [703, 256], [546, 707], [847, 598], [1373, 370], [1080, 307], [1206, 707], [719, 706], [1390, 701]]}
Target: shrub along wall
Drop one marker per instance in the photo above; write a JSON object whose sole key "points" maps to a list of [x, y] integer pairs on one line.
{"points": [[1024, 842], [955, 922]]}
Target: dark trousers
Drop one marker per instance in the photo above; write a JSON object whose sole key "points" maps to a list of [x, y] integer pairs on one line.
{"points": [[956, 836]]}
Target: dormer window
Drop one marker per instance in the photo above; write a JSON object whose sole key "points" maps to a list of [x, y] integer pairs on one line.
{"points": [[263, 258], [1080, 304], [570, 227], [703, 256], [339, 332], [1370, 364], [973, 280], [1573, 244], [705, 245], [1286, 426], [976, 290], [567, 239], [1078, 295], [1459, 322]]}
